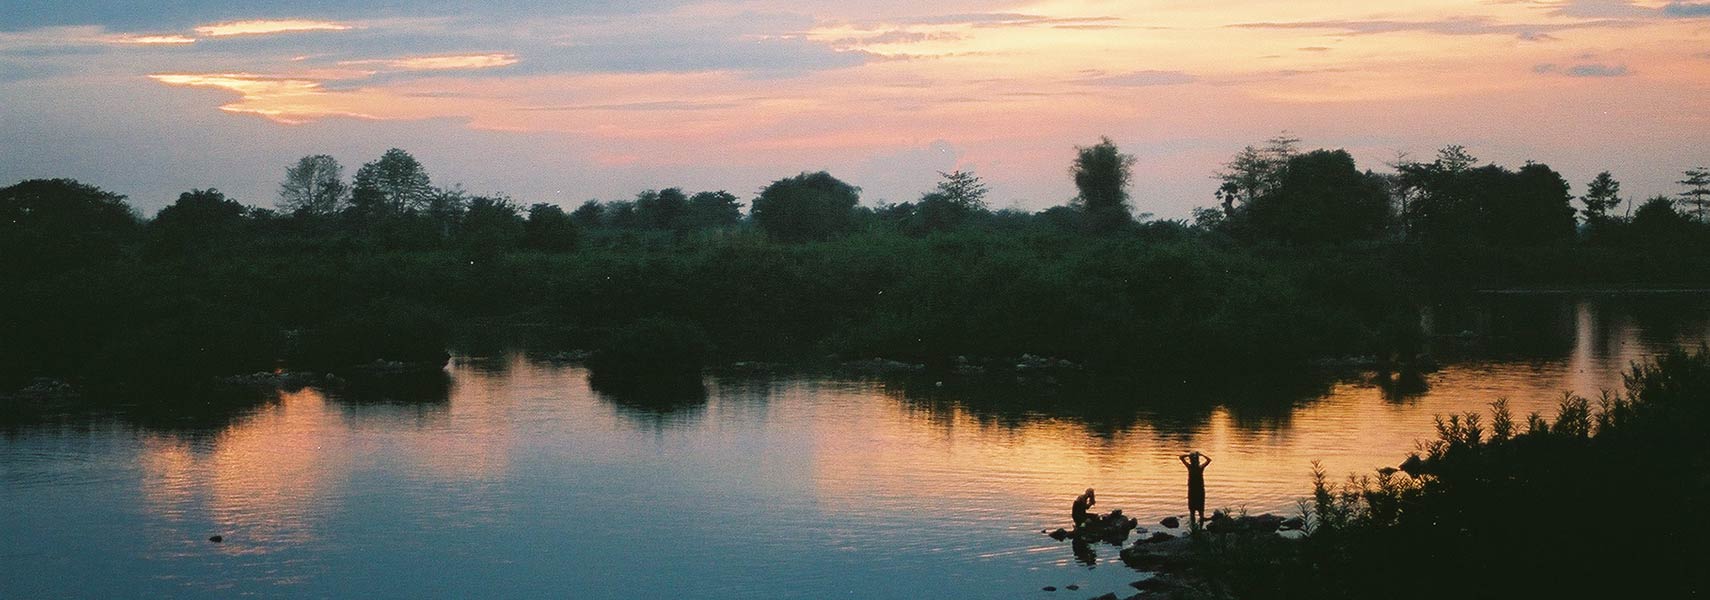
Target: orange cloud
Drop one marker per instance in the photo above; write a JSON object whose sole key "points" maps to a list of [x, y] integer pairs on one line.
{"points": [[153, 40], [264, 26], [442, 62], [286, 100]]}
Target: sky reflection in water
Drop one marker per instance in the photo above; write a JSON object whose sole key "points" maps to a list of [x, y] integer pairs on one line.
{"points": [[516, 479]]}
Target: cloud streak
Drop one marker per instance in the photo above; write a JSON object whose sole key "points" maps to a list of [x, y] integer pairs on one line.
{"points": [[267, 27], [444, 62], [1583, 70], [1452, 26]]}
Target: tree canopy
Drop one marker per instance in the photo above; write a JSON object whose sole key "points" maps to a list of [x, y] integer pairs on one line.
{"points": [[1102, 174], [809, 206]]}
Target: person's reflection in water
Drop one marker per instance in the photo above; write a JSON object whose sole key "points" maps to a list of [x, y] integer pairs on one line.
{"points": [[1084, 552]]}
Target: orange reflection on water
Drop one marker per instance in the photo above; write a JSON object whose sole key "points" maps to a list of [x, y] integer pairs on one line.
{"points": [[261, 480], [958, 458], [268, 480]]}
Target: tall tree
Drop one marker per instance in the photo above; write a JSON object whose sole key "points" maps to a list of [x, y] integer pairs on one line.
{"points": [[313, 186], [395, 184], [1322, 199], [1102, 173], [963, 189], [959, 195], [1697, 193], [809, 206], [1602, 195], [1254, 171]]}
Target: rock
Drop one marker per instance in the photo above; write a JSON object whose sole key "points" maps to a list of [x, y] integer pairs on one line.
{"points": [[1049, 588], [1266, 522], [1150, 584], [1160, 537], [1292, 523], [1134, 557], [217, 539], [1107, 596], [1171, 522], [1060, 534], [1112, 528]]}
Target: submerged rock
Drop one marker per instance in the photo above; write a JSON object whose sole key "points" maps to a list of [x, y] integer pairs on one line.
{"points": [[1060, 534], [217, 539], [1171, 522], [1107, 596], [1113, 528], [1049, 588]]}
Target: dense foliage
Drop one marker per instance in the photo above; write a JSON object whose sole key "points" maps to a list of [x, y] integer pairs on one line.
{"points": [[1598, 503], [1308, 257]]}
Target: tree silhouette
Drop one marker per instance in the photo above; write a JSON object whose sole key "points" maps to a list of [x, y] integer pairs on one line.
{"points": [[1102, 174], [712, 210], [491, 226], [314, 186], [1454, 202], [959, 195], [1697, 193], [664, 209], [1657, 223], [807, 207], [548, 229], [1321, 198], [590, 215], [1254, 171], [199, 221], [51, 225], [393, 185], [1601, 195]]}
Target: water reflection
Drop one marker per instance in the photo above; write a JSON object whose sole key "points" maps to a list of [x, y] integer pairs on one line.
{"points": [[1107, 407], [510, 476], [658, 407], [190, 413]]}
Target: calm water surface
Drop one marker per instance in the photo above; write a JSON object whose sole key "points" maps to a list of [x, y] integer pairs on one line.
{"points": [[520, 481]]}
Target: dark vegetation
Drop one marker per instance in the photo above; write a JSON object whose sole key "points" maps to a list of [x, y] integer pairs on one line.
{"points": [[1307, 256], [1601, 502]]}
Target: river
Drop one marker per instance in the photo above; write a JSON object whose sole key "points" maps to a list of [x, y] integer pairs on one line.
{"points": [[516, 479]]}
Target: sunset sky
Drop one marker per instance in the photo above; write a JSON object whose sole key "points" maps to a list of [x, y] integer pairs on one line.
{"points": [[562, 102]]}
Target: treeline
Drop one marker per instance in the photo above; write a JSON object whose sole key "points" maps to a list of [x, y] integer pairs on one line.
{"points": [[1306, 256]]}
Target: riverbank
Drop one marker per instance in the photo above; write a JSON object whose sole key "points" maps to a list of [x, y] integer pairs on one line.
{"points": [[1489, 507]]}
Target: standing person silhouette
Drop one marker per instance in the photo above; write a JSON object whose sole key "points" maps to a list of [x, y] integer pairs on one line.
{"points": [[1195, 484], [1079, 509]]}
